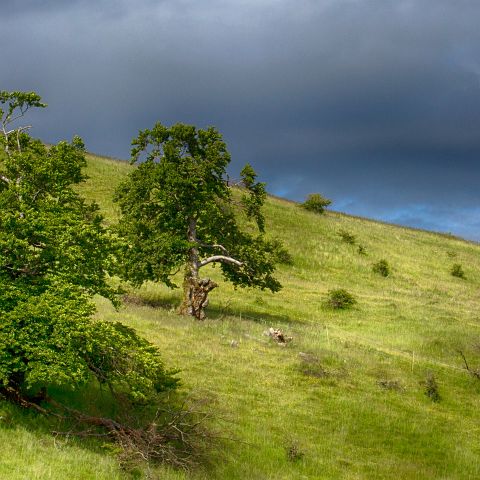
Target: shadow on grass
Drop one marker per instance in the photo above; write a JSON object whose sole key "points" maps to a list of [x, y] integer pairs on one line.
{"points": [[14, 418], [165, 302], [66, 430], [171, 302], [218, 312]]}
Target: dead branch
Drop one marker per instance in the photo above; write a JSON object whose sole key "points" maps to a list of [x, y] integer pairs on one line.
{"points": [[278, 336], [177, 436], [473, 372], [214, 245]]}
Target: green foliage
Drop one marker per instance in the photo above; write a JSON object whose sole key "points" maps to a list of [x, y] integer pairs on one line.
{"points": [[255, 197], [15, 105], [50, 340], [361, 250], [457, 271], [431, 388], [132, 367], [54, 256], [49, 233], [176, 211], [340, 299], [347, 237], [381, 268], [316, 203]]}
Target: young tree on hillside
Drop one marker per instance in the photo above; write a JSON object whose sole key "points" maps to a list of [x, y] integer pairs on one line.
{"points": [[177, 213], [54, 256]]}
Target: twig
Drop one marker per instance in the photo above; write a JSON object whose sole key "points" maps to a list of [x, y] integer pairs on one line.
{"points": [[473, 373]]}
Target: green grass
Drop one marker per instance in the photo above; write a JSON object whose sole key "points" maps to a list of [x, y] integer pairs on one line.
{"points": [[327, 393]]}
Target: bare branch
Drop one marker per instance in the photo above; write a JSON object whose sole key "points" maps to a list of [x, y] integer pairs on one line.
{"points": [[18, 130], [5, 133], [10, 119], [220, 258], [473, 372], [215, 245]]}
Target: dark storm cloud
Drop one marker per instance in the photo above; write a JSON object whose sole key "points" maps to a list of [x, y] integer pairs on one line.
{"points": [[374, 103]]}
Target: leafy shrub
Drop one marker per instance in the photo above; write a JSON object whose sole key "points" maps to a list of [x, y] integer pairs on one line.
{"points": [[361, 250], [316, 203], [457, 271], [294, 451], [340, 299], [50, 340], [347, 237], [431, 388], [382, 268]]}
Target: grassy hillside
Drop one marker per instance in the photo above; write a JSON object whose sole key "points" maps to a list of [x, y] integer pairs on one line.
{"points": [[345, 399]]}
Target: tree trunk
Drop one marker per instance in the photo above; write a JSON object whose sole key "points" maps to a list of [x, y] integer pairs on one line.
{"points": [[195, 290], [195, 296]]}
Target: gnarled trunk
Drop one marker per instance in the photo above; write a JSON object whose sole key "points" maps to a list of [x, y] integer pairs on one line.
{"points": [[195, 290], [195, 296]]}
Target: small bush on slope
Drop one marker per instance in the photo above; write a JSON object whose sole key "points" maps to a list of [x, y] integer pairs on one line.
{"points": [[340, 299], [347, 237], [457, 271], [381, 268], [316, 203]]}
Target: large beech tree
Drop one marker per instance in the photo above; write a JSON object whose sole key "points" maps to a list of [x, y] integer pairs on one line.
{"points": [[178, 211]]}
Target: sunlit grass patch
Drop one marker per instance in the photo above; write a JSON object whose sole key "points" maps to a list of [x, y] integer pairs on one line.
{"points": [[349, 389]]}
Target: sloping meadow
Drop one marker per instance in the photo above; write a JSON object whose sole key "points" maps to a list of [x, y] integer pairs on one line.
{"points": [[376, 390]]}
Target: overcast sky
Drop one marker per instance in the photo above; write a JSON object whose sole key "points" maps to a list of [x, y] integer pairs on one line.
{"points": [[375, 104]]}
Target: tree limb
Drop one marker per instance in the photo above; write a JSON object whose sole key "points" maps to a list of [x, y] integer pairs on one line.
{"points": [[215, 245], [10, 119], [220, 258]]}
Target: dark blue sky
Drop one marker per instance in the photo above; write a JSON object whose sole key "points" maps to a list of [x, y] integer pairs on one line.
{"points": [[375, 104]]}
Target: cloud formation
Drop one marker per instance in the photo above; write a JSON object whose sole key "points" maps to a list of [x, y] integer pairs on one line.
{"points": [[375, 103]]}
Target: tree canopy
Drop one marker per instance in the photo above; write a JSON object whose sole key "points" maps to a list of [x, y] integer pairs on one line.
{"points": [[55, 254], [178, 211]]}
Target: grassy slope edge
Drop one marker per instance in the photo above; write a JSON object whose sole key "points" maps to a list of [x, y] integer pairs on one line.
{"points": [[346, 398]]}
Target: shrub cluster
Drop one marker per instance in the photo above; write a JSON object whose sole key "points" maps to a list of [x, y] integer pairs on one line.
{"points": [[381, 268], [316, 203], [431, 388], [51, 340], [340, 299], [347, 237], [457, 271], [361, 250]]}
